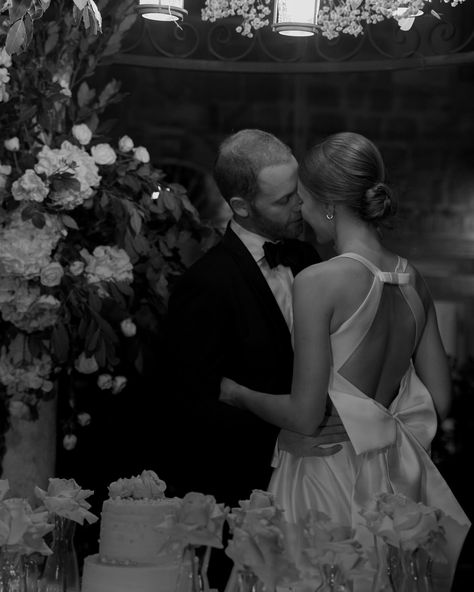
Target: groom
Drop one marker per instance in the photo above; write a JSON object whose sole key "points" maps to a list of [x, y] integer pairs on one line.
{"points": [[230, 315]]}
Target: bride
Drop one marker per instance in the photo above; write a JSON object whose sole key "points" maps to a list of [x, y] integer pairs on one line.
{"points": [[366, 342]]}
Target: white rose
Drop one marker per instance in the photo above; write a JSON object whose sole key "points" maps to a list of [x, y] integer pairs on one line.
{"points": [[128, 327], [82, 133], [125, 144], [141, 153], [76, 267], [12, 144], [118, 384], [86, 365], [19, 409], [104, 381], [52, 274], [5, 57], [29, 187], [103, 154], [84, 419], [5, 169], [69, 441]]}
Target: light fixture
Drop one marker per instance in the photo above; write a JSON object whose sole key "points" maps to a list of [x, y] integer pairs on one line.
{"points": [[158, 10], [296, 18]]}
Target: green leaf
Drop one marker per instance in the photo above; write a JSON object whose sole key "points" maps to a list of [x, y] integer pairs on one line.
{"points": [[60, 342], [64, 183], [28, 28], [95, 302], [69, 222], [85, 95], [18, 9], [101, 353], [28, 212], [135, 221], [15, 38], [92, 342], [38, 220]]}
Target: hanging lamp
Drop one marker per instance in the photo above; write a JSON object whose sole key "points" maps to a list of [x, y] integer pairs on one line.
{"points": [[158, 10], [296, 18]]}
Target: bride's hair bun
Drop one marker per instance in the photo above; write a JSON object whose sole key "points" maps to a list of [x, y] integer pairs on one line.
{"points": [[377, 203]]}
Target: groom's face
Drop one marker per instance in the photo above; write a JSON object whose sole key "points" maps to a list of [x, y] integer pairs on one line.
{"points": [[276, 211]]}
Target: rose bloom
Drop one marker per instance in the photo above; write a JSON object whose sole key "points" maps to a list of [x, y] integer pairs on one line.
{"points": [[118, 384], [69, 441], [12, 144], [125, 144], [108, 263], [29, 187], [141, 153], [128, 327], [86, 365], [84, 419], [19, 409], [82, 133], [52, 274], [103, 154], [105, 381], [5, 58], [77, 267]]}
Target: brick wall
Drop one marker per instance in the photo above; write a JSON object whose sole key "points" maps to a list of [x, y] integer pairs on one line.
{"points": [[422, 120]]}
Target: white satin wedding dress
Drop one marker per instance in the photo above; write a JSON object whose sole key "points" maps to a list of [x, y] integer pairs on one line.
{"points": [[389, 446]]}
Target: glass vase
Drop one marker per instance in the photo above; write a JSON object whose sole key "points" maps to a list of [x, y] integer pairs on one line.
{"points": [[189, 577], [406, 571], [247, 581], [61, 569], [12, 571], [332, 579]]}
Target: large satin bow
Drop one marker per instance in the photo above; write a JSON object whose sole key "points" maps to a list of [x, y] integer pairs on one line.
{"points": [[392, 447]]}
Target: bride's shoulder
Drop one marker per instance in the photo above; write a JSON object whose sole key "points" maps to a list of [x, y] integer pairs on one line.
{"points": [[331, 272]]}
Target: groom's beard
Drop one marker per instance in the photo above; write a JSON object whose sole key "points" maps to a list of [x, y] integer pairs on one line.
{"points": [[274, 229]]}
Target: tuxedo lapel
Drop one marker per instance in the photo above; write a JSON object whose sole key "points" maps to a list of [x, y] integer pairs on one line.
{"points": [[256, 280]]}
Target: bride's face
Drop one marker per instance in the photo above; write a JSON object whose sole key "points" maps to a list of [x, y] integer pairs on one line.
{"points": [[314, 213]]}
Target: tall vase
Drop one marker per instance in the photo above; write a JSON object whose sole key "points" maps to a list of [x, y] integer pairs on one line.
{"points": [[416, 575], [332, 579], [12, 571], [61, 570], [30, 454], [247, 581]]}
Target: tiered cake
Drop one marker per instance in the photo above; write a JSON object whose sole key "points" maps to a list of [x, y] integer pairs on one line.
{"points": [[133, 555]]}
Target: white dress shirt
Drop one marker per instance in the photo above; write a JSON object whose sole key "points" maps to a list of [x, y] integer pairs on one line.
{"points": [[279, 278]]}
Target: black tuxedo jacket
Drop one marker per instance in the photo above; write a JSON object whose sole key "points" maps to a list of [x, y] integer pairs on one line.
{"points": [[223, 320]]}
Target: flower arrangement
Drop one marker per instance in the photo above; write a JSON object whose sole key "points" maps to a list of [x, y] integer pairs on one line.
{"points": [[147, 485], [335, 17], [64, 498], [91, 235], [408, 538], [405, 524], [259, 541], [21, 528], [328, 551]]}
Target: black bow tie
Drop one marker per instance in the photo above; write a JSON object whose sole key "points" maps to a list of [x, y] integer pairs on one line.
{"points": [[292, 253]]}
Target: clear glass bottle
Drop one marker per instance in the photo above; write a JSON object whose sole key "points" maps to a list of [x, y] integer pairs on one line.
{"points": [[61, 570], [12, 570]]}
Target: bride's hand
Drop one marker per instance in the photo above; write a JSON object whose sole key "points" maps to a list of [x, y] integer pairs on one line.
{"points": [[230, 392]]}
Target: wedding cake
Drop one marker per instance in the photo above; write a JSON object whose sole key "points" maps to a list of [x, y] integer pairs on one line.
{"points": [[133, 555]]}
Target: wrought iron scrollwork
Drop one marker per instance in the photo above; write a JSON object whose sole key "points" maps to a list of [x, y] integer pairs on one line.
{"points": [[194, 43]]}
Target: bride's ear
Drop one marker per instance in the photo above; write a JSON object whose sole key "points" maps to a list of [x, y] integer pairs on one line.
{"points": [[239, 206]]}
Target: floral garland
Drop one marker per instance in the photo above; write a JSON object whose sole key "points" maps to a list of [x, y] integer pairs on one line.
{"points": [[91, 235], [335, 17]]}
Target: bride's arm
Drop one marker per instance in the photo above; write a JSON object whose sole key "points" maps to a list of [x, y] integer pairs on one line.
{"points": [[303, 410]]}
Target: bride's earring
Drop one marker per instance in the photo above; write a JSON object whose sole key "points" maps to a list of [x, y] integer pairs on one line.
{"points": [[330, 216]]}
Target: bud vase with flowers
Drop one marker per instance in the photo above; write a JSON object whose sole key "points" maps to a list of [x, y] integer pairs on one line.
{"points": [[21, 534], [195, 528], [410, 538], [258, 546], [66, 502]]}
